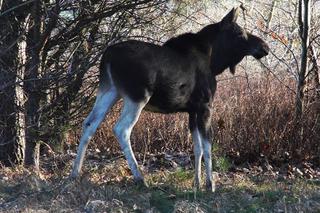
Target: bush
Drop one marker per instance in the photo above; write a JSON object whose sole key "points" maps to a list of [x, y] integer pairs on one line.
{"points": [[252, 117]]}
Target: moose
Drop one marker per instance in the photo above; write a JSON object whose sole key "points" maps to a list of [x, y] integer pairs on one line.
{"points": [[178, 76]]}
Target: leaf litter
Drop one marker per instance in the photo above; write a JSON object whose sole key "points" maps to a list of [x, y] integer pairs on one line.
{"points": [[106, 185]]}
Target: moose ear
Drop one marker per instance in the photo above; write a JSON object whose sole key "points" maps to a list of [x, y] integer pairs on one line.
{"points": [[231, 16]]}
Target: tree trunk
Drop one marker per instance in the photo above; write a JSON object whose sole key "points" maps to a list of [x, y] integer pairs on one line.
{"points": [[304, 23], [315, 84], [33, 90], [316, 74], [20, 98], [11, 97]]}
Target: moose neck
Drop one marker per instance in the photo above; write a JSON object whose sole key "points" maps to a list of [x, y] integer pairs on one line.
{"points": [[220, 59]]}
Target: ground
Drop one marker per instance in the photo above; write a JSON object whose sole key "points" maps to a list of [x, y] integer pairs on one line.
{"points": [[106, 186]]}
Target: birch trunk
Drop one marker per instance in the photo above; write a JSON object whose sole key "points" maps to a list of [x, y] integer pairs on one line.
{"points": [[11, 95], [304, 24]]}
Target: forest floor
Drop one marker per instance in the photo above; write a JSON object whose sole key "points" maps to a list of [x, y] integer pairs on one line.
{"points": [[106, 186]]}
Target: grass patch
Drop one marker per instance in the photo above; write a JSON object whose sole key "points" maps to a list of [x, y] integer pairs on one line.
{"points": [[102, 190], [222, 164]]}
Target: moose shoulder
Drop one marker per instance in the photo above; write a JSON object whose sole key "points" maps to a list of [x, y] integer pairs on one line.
{"points": [[178, 76]]}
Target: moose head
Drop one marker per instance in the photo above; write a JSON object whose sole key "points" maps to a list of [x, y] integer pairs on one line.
{"points": [[234, 43]]}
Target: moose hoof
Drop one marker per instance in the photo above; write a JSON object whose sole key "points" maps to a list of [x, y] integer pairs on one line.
{"points": [[196, 185], [74, 175], [197, 188], [210, 187], [141, 183]]}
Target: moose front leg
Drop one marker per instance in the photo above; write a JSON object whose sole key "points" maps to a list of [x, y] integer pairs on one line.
{"points": [[203, 124]]}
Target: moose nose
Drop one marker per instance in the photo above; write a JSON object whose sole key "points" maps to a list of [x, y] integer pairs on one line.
{"points": [[261, 51], [265, 49]]}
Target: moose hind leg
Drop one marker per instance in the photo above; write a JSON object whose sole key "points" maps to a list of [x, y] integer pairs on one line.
{"points": [[197, 148], [198, 152], [204, 121], [207, 149], [123, 128], [104, 102]]}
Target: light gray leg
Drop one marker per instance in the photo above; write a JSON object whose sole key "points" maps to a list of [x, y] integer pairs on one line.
{"points": [[123, 128], [103, 103], [198, 151], [207, 152]]}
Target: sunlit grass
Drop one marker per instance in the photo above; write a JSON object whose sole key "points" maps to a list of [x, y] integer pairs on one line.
{"points": [[109, 187]]}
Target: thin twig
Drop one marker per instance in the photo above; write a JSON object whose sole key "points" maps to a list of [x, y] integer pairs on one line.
{"points": [[16, 7]]}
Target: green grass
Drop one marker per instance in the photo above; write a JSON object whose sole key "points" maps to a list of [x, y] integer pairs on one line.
{"points": [[221, 164]]}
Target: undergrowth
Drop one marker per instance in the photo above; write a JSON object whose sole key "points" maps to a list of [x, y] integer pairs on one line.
{"points": [[111, 189], [251, 118]]}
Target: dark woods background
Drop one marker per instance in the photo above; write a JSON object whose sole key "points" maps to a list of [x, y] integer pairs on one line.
{"points": [[50, 50]]}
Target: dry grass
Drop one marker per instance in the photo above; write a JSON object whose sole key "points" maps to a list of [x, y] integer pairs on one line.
{"points": [[251, 117], [253, 126], [258, 118], [106, 186]]}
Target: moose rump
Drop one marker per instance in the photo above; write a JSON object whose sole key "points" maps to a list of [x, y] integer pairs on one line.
{"points": [[178, 76]]}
